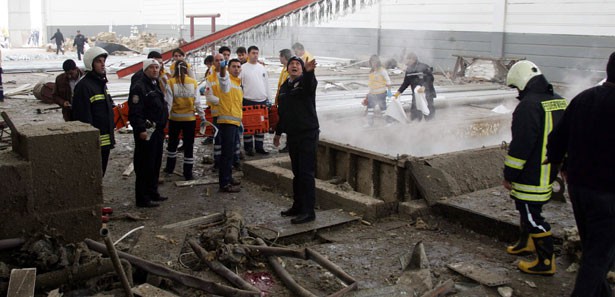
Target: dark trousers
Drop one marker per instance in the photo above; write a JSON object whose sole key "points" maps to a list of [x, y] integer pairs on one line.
{"points": [[594, 212], [59, 48], [531, 217], [105, 151], [302, 151], [79, 52], [147, 161], [228, 135], [251, 142], [186, 128]]}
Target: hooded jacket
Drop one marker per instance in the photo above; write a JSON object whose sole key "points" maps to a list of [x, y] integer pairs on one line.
{"points": [[534, 118]]}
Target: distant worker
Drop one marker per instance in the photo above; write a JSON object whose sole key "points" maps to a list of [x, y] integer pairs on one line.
{"points": [[302, 53], [65, 85], [242, 54], [179, 55], [209, 62], [583, 140], [299, 121], [229, 121], [379, 89], [186, 101], [529, 181], [256, 91], [148, 116], [418, 74], [285, 55], [59, 39], [226, 52], [92, 103], [80, 41]]}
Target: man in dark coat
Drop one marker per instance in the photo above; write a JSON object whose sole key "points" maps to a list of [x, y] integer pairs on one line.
{"points": [[64, 86], [79, 42], [298, 119], [59, 38], [418, 74]]}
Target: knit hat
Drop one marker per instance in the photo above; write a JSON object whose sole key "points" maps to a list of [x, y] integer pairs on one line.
{"points": [[149, 62], [295, 58], [69, 65], [610, 69]]}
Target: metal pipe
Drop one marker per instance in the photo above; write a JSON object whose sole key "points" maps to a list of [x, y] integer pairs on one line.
{"points": [[182, 278], [104, 232], [6, 244]]}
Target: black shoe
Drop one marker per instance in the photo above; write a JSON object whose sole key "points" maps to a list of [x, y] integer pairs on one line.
{"points": [[303, 218], [284, 150], [160, 198], [148, 204], [291, 212], [190, 177], [250, 153], [262, 151], [230, 189]]}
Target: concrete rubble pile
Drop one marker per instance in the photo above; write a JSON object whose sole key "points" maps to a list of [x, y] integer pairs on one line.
{"points": [[139, 42]]}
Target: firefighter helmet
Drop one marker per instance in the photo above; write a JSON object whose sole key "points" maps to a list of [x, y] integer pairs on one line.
{"points": [[91, 55], [521, 73]]}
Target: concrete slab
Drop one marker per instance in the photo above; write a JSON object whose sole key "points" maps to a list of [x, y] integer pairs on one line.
{"points": [[482, 275], [492, 212], [328, 196], [22, 282], [281, 228]]}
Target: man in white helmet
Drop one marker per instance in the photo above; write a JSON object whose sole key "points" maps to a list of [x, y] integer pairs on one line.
{"points": [[92, 103], [530, 181]]}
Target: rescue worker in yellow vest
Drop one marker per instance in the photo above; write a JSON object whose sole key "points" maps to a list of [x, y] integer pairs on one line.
{"points": [[229, 120], [185, 103], [92, 103], [212, 96], [530, 181], [179, 55]]}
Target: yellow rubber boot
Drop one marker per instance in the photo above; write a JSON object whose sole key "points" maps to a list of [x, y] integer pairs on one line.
{"points": [[524, 245], [544, 264]]}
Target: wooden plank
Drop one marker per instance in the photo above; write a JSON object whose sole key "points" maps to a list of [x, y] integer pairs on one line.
{"points": [[482, 275], [196, 182], [196, 221], [22, 282], [147, 290], [282, 227]]}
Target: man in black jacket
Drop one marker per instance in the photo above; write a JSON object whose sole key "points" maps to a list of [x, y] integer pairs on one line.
{"points": [[80, 41], [585, 138], [92, 103], [298, 119], [59, 38], [148, 114], [418, 74], [529, 181]]}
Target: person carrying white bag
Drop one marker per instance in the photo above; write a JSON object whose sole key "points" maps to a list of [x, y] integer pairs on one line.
{"points": [[419, 76]]}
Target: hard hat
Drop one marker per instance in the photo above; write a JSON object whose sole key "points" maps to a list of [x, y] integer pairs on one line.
{"points": [[520, 73], [91, 55]]}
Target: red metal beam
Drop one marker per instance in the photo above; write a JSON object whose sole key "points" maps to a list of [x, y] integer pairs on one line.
{"points": [[245, 25]]}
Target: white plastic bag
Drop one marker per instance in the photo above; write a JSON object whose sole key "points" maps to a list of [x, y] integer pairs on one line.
{"points": [[421, 101], [396, 111]]}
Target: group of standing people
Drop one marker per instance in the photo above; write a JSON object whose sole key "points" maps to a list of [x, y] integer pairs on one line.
{"points": [[550, 135], [157, 98]]}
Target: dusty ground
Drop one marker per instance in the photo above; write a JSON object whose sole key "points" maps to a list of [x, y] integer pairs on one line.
{"points": [[369, 253]]}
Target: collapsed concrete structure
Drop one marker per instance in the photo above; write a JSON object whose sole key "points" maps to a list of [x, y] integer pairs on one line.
{"points": [[36, 193]]}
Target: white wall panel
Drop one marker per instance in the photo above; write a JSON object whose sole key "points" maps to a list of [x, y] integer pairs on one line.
{"points": [[583, 17], [109, 12]]}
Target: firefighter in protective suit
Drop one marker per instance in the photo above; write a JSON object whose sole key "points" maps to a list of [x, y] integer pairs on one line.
{"points": [[92, 103], [525, 175]]}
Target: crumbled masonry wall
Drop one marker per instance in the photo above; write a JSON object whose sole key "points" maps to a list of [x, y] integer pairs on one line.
{"points": [[52, 180]]}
